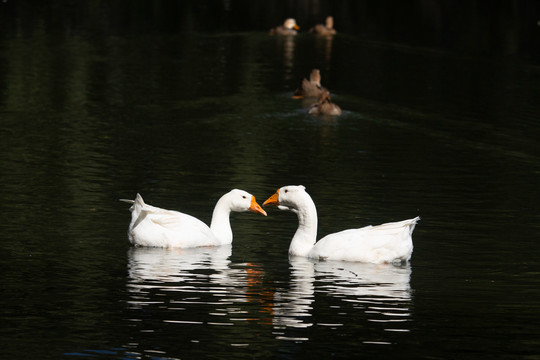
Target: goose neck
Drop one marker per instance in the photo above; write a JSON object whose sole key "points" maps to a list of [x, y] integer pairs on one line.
{"points": [[306, 233], [220, 225]]}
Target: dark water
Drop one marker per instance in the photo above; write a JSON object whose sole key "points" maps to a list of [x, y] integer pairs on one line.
{"points": [[183, 117]]}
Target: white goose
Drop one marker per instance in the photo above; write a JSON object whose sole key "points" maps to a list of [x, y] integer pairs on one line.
{"points": [[386, 243], [153, 226]]}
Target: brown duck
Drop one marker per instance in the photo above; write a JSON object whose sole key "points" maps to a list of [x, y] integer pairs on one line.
{"points": [[324, 106], [324, 30], [289, 27], [311, 87]]}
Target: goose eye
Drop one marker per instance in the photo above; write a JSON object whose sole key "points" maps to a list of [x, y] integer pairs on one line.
{"points": [[286, 191], [243, 196]]}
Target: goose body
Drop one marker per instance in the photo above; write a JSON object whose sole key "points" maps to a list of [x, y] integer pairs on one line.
{"points": [[289, 27], [153, 226], [386, 243]]}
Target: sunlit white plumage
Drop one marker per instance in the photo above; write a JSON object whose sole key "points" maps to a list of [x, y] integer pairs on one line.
{"points": [[153, 226], [386, 243]]}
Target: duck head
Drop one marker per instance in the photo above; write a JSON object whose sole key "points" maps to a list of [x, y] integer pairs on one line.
{"points": [[315, 77], [329, 22], [290, 23]]}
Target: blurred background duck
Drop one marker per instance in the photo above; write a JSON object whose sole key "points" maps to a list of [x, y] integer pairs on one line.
{"points": [[326, 30], [311, 87], [289, 27], [324, 106]]}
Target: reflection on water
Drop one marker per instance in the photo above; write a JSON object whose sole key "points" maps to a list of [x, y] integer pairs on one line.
{"points": [[181, 279], [161, 265], [202, 289], [186, 278], [196, 294], [294, 304], [382, 292], [323, 46], [286, 46], [199, 274]]}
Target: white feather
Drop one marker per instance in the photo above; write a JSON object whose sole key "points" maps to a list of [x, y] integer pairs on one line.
{"points": [[386, 243], [153, 226]]}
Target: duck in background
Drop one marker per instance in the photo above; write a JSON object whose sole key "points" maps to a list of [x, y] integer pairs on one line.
{"points": [[324, 106], [324, 30], [311, 87], [289, 27]]}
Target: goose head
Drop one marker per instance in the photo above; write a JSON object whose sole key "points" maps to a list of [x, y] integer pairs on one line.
{"points": [[291, 197], [241, 200]]}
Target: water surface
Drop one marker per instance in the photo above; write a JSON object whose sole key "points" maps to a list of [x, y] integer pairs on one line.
{"points": [[184, 117]]}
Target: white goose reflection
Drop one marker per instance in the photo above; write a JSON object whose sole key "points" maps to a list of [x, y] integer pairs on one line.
{"points": [[292, 307], [158, 270], [382, 292], [173, 265], [198, 283], [369, 281]]}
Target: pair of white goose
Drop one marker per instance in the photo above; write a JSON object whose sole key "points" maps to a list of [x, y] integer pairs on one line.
{"points": [[386, 243]]}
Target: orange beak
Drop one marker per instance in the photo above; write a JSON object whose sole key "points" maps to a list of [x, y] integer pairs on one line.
{"points": [[272, 200], [296, 27], [256, 208]]}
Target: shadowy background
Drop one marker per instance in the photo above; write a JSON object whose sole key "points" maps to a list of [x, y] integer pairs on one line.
{"points": [[501, 27]]}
